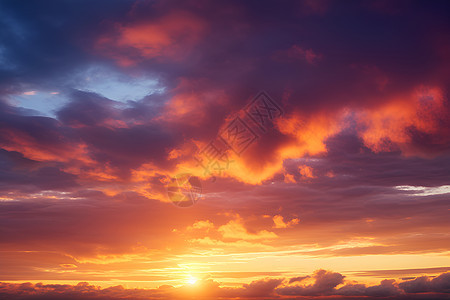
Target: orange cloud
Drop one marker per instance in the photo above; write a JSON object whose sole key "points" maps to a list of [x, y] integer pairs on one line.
{"points": [[392, 125], [306, 172], [31, 147], [172, 36], [289, 178], [207, 225], [216, 245], [234, 229], [294, 136], [310, 132], [278, 221]]}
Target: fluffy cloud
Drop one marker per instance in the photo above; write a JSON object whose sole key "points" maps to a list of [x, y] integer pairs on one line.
{"points": [[324, 285]]}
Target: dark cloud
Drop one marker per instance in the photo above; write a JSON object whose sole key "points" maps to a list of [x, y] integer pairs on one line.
{"points": [[261, 289], [111, 139], [44, 43], [324, 284], [385, 289], [19, 173], [297, 279], [228, 54], [87, 109], [425, 284]]}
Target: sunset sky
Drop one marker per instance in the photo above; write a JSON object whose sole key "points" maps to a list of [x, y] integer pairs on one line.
{"points": [[339, 188]]}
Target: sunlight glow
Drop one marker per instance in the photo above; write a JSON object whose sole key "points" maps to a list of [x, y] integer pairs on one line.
{"points": [[192, 280]]}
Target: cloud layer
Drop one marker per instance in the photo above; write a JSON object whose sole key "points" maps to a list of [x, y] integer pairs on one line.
{"points": [[325, 284]]}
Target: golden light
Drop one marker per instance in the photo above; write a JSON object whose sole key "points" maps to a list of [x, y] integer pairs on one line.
{"points": [[192, 280]]}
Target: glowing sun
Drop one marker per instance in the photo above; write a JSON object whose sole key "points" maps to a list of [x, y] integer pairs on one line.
{"points": [[192, 280]]}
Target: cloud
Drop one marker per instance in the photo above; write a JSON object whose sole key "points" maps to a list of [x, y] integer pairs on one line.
{"points": [[362, 117], [424, 284], [201, 225], [297, 279], [183, 49], [169, 37], [296, 52], [306, 172], [324, 285], [385, 289], [261, 288], [279, 222], [30, 93], [234, 229], [411, 128]]}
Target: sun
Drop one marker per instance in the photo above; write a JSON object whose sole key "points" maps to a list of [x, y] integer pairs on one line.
{"points": [[192, 280]]}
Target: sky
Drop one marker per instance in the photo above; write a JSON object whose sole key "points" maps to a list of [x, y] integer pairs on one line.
{"points": [[224, 149]]}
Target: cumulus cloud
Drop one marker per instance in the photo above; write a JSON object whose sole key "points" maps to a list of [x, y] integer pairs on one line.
{"points": [[203, 89], [279, 222], [324, 285]]}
